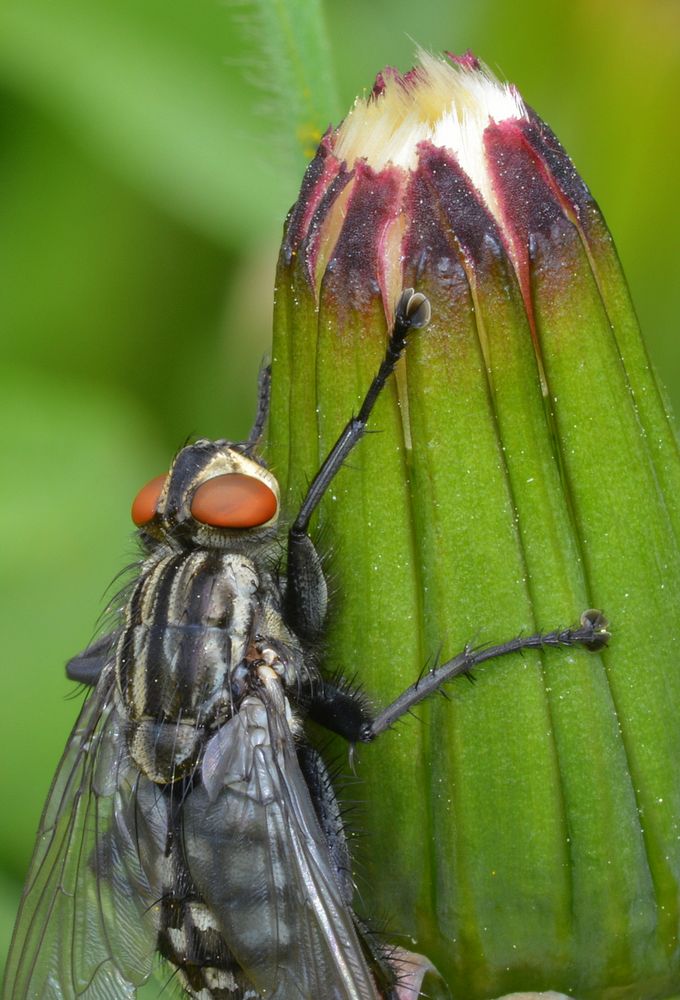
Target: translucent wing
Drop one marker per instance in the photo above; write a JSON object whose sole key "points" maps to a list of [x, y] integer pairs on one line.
{"points": [[87, 925], [260, 860]]}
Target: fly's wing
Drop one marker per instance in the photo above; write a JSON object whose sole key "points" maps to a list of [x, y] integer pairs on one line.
{"points": [[87, 924], [258, 856], [87, 667]]}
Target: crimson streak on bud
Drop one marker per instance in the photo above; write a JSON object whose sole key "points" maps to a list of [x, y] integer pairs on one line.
{"points": [[363, 257]]}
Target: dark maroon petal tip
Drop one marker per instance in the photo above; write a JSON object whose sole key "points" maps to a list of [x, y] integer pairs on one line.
{"points": [[530, 200], [324, 174], [537, 219], [559, 165], [381, 81], [446, 214], [411, 77], [356, 269], [468, 60]]}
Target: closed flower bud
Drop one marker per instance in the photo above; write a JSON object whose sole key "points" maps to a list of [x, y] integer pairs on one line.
{"points": [[525, 833]]}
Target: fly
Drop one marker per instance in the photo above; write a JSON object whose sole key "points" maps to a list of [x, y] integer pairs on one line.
{"points": [[189, 817]]}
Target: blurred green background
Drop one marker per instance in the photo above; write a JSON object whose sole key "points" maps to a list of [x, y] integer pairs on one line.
{"points": [[146, 169]]}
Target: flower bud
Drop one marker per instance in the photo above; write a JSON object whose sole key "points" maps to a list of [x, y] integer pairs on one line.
{"points": [[525, 833]]}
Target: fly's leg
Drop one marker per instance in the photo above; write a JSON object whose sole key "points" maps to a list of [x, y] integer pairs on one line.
{"points": [[306, 594], [341, 707], [413, 312], [264, 381], [380, 957], [345, 712], [591, 633], [329, 815]]}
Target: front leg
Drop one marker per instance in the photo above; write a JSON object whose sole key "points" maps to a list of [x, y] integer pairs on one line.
{"points": [[306, 591], [306, 598]]}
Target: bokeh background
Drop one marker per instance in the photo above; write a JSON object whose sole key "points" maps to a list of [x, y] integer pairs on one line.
{"points": [[146, 166]]}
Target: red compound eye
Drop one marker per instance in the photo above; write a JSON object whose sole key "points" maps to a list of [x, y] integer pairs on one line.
{"points": [[233, 501], [145, 503]]}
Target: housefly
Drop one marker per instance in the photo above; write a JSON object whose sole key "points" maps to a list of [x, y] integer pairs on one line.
{"points": [[189, 817]]}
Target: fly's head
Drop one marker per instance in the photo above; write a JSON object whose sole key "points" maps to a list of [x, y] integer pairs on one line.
{"points": [[214, 496]]}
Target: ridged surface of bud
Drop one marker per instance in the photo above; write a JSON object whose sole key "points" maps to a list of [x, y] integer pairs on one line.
{"points": [[525, 832]]}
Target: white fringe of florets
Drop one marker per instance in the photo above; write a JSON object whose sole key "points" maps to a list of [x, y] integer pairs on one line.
{"points": [[443, 102]]}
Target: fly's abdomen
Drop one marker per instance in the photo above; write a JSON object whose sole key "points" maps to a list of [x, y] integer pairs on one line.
{"points": [[259, 859], [190, 939], [188, 624]]}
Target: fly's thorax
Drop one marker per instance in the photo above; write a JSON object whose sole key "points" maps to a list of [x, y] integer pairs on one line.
{"points": [[188, 622], [199, 629]]}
